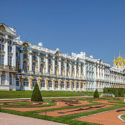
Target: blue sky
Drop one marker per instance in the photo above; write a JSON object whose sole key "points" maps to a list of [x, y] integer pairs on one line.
{"points": [[94, 26]]}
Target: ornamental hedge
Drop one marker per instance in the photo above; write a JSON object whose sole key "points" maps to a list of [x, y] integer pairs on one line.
{"points": [[36, 95], [96, 94], [118, 92]]}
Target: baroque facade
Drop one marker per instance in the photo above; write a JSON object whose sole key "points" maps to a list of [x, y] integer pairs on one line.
{"points": [[22, 65]]}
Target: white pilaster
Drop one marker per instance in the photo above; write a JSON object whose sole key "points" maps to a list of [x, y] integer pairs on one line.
{"points": [[65, 68], [59, 66], [53, 65], [38, 64], [46, 63], [30, 62], [6, 54], [14, 56], [70, 66], [79, 71], [75, 69]]}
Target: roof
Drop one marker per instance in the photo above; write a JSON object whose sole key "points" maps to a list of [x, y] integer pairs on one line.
{"points": [[8, 30]]}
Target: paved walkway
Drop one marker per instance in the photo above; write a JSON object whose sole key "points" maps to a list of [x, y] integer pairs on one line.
{"points": [[9, 119]]}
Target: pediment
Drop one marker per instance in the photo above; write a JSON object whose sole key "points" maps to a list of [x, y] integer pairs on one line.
{"points": [[7, 30]]}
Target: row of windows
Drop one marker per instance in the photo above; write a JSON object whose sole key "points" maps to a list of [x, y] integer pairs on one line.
{"points": [[26, 84]]}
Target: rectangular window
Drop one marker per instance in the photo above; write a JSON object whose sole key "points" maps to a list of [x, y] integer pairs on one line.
{"points": [[1, 59], [9, 60], [9, 49], [1, 47]]}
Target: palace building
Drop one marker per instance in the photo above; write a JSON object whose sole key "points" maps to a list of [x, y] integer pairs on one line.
{"points": [[22, 65]]}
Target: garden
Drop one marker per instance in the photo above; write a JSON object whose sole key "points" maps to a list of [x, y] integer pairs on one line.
{"points": [[72, 111]]}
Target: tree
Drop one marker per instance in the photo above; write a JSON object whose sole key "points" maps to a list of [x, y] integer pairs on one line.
{"points": [[96, 94], [36, 95]]}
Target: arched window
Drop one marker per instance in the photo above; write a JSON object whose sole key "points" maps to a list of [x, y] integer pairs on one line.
{"points": [[26, 82], [34, 82], [25, 66]]}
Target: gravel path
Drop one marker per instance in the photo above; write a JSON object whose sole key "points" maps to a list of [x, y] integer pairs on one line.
{"points": [[9, 119]]}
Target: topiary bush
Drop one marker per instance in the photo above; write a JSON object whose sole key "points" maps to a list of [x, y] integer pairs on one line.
{"points": [[96, 94], [118, 92], [36, 95]]}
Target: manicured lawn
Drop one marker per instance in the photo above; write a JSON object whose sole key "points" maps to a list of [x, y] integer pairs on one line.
{"points": [[20, 104], [62, 119], [121, 102], [27, 94], [68, 119], [123, 117]]}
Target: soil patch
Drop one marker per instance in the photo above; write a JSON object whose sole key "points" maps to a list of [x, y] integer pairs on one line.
{"points": [[74, 110], [105, 118], [59, 105]]}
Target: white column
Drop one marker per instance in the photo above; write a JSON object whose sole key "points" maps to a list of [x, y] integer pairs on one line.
{"points": [[30, 62], [75, 69], [79, 71], [14, 55], [53, 65], [70, 66], [46, 63], [38, 64], [59, 66], [6, 54], [65, 68]]}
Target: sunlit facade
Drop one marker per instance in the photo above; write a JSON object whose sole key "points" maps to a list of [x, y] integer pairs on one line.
{"points": [[22, 65]]}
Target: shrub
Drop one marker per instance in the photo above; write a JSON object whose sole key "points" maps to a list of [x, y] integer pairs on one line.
{"points": [[36, 95], [118, 92], [96, 94]]}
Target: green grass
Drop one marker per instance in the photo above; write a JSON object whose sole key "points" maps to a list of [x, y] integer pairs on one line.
{"points": [[62, 119], [121, 102], [27, 94], [123, 117], [22, 103], [90, 93], [28, 104]]}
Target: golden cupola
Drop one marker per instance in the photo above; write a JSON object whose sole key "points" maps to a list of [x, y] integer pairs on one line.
{"points": [[119, 63]]}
